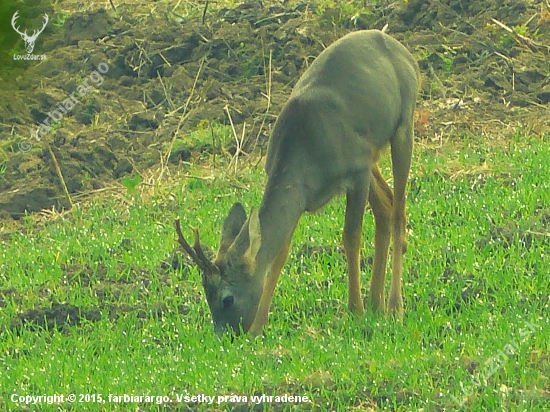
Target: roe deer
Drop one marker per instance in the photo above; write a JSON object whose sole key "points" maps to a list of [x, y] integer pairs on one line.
{"points": [[356, 98]]}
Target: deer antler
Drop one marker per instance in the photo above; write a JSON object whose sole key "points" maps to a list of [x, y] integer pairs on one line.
{"points": [[196, 251], [13, 19], [46, 20]]}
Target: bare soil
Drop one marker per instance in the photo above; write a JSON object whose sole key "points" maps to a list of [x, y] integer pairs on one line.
{"points": [[169, 75]]}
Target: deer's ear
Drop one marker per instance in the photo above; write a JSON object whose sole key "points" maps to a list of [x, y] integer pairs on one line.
{"points": [[231, 227], [247, 243], [254, 235]]}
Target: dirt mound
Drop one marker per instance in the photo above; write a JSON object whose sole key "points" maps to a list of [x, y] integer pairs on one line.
{"points": [[122, 90], [51, 315]]}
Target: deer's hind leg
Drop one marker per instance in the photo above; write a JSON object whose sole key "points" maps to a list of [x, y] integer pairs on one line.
{"points": [[356, 200], [401, 152], [381, 200]]}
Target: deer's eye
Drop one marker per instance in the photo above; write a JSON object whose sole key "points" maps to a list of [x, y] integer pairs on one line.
{"points": [[227, 301]]}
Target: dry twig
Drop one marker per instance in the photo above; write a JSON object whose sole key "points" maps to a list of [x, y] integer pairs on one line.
{"points": [[533, 45], [60, 175]]}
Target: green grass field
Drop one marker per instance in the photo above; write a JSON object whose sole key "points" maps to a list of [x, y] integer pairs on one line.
{"points": [[125, 313]]}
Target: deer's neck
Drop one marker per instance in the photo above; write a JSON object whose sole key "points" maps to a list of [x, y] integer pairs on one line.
{"points": [[282, 205]]}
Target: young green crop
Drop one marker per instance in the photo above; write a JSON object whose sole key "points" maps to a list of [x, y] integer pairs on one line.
{"points": [[125, 313]]}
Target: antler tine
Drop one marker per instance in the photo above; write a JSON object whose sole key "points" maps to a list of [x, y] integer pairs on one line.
{"points": [[186, 246], [198, 249], [46, 20], [196, 253]]}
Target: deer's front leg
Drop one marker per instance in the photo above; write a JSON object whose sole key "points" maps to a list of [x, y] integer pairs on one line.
{"points": [[262, 314]]}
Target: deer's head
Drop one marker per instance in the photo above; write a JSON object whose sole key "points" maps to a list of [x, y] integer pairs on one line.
{"points": [[231, 282]]}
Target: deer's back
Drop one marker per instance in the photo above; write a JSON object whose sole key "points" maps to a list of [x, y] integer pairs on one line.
{"points": [[344, 109], [370, 78]]}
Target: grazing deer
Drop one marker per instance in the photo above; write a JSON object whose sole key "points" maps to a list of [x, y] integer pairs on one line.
{"points": [[356, 98]]}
